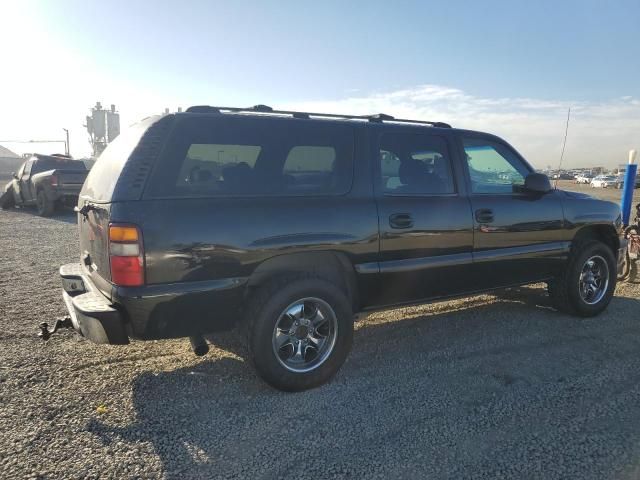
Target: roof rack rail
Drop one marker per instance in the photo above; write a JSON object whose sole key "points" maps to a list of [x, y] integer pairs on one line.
{"points": [[202, 109], [377, 118], [380, 117]]}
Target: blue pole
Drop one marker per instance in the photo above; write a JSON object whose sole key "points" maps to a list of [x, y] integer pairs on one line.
{"points": [[627, 193]]}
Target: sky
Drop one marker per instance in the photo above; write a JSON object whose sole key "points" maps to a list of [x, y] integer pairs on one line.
{"points": [[512, 68]]}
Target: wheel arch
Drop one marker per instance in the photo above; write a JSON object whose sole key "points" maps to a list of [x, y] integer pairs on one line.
{"points": [[331, 265], [603, 232]]}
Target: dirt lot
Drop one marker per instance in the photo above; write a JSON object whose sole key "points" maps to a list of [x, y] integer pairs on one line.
{"points": [[486, 387]]}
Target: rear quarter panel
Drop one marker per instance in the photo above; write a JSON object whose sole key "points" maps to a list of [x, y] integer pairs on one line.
{"points": [[188, 240]]}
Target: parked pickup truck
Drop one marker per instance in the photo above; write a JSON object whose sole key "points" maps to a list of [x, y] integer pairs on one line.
{"points": [[46, 181], [287, 224]]}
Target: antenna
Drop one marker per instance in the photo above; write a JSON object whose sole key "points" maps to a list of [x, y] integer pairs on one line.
{"points": [[564, 144]]}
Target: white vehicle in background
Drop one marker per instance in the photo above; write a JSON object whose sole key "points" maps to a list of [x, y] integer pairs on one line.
{"points": [[604, 181], [584, 178]]}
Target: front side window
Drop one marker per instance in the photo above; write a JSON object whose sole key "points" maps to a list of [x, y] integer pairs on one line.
{"points": [[252, 156], [493, 167], [415, 164]]}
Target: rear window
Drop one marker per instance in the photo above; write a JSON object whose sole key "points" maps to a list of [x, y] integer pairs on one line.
{"points": [[44, 164], [234, 155]]}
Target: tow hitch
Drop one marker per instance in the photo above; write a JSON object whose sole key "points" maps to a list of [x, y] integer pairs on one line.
{"points": [[46, 331]]}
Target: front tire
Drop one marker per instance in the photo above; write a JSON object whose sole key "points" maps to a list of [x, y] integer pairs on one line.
{"points": [[44, 205], [300, 330], [586, 285]]}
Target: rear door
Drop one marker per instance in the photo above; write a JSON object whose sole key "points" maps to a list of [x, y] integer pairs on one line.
{"points": [[426, 235], [518, 234]]}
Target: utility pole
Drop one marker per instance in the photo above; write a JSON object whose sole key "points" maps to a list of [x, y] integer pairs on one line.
{"points": [[66, 144]]}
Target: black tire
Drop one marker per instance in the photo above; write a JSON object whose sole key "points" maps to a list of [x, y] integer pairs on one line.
{"points": [[564, 290], [44, 205], [7, 199], [265, 309]]}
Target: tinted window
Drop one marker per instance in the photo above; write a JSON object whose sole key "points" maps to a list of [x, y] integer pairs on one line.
{"points": [[493, 167], [205, 162], [415, 164], [51, 163], [242, 155]]}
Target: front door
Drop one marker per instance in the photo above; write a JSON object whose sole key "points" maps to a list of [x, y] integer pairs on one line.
{"points": [[517, 234], [426, 234], [19, 182]]}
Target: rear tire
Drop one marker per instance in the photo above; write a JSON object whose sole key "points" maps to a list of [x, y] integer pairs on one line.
{"points": [[580, 290], [44, 205], [292, 314]]}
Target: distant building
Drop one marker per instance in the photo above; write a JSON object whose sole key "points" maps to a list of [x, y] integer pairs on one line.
{"points": [[9, 161]]}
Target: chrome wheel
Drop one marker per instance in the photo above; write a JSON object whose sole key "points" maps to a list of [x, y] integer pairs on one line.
{"points": [[594, 280], [305, 334]]}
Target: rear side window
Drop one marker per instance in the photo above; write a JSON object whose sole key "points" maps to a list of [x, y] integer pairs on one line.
{"points": [[234, 155], [204, 162], [415, 164]]}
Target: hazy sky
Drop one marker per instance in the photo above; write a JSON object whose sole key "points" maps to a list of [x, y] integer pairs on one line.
{"points": [[508, 67]]}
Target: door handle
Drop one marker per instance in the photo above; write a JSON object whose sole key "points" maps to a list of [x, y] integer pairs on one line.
{"points": [[400, 220], [484, 215]]}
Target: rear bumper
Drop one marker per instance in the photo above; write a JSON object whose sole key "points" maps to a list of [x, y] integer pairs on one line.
{"points": [[92, 314], [66, 195], [150, 312]]}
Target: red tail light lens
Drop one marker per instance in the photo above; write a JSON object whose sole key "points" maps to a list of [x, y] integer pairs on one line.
{"points": [[54, 180], [126, 255], [127, 271]]}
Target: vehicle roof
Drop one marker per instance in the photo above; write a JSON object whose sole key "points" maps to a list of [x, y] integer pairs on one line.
{"points": [[379, 120]]}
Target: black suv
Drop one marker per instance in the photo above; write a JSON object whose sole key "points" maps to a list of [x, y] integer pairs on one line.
{"points": [[286, 224]]}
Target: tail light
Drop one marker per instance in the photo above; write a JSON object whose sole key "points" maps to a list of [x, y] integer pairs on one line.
{"points": [[126, 255], [54, 180]]}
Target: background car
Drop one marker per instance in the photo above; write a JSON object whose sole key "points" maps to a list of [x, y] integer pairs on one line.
{"points": [[604, 181], [584, 178], [46, 182], [620, 181]]}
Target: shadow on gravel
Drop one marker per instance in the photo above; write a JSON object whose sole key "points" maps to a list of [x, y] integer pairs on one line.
{"points": [[504, 389], [66, 215]]}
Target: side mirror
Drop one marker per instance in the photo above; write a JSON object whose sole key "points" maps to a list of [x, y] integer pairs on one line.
{"points": [[13, 174], [537, 182]]}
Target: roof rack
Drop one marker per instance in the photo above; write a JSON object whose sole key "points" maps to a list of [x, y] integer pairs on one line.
{"points": [[376, 118]]}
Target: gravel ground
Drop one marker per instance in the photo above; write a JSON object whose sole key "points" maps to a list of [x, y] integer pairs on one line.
{"points": [[486, 387]]}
